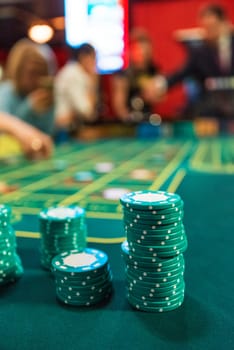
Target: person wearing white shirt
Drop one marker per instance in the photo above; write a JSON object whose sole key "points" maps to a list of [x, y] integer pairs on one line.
{"points": [[76, 89]]}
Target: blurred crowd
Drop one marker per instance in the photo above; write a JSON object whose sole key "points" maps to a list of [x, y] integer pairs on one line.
{"points": [[39, 102]]}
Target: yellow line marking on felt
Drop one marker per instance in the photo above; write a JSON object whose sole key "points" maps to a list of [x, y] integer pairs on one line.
{"points": [[168, 170], [178, 178], [216, 153], [36, 235], [196, 160], [50, 180], [99, 183]]}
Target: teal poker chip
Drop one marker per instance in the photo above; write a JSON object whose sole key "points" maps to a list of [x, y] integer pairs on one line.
{"points": [[157, 272], [154, 292], [11, 268], [83, 176], [163, 220], [152, 231], [82, 278], [60, 164], [153, 261], [154, 301], [150, 200], [62, 229], [5, 211], [162, 281], [154, 225], [141, 213], [145, 216], [75, 261], [154, 307], [69, 301], [62, 213], [168, 239]]}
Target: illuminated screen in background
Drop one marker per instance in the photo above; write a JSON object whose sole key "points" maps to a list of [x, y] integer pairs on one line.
{"points": [[102, 23]]}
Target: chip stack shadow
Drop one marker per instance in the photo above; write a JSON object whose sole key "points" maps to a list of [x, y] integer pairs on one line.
{"points": [[62, 229], [153, 252]]}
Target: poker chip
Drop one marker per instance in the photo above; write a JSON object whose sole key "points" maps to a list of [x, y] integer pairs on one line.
{"points": [[104, 167], [11, 267], [150, 200], [82, 278], [83, 176], [62, 229], [60, 164], [153, 251], [142, 174]]}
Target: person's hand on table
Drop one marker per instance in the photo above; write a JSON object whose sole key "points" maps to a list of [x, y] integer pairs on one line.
{"points": [[35, 144]]}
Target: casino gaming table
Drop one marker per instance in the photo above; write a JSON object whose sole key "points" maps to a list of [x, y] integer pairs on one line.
{"points": [[200, 170]]}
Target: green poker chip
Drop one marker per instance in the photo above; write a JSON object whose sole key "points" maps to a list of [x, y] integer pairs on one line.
{"points": [[82, 278], [75, 261], [153, 252], [150, 200], [11, 268], [62, 213], [62, 229], [150, 307]]}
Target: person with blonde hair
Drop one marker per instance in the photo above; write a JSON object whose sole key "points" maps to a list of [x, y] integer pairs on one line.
{"points": [[26, 91]]}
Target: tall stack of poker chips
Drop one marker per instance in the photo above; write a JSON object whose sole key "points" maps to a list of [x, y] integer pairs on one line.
{"points": [[10, 263], [62, 229], [82, 278], [153, 252]]}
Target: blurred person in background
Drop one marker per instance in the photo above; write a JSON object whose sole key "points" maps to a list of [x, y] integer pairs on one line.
{"points": [[210, 64], [76, 90], [128, 99], [27, 91]]}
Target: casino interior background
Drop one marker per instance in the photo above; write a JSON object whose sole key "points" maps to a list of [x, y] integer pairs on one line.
{"points": [[198, 174], [153, 15]]}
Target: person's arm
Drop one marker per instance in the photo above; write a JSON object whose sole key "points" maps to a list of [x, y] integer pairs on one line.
{"points": [[180, 74], [120, 89], [35, 144], [157, 87]]}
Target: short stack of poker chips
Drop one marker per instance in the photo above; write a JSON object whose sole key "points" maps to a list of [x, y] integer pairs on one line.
{"points": [[153, 252], [82, 278], [62, 229], [10, 263]]}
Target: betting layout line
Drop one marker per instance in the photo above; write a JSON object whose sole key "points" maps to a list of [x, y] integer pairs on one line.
{"points": [[216, 153], [36, 235], [177, 180], [33, 168], [212, 149], [196, 159], [49, 180], [105, 179], [171, 167]]}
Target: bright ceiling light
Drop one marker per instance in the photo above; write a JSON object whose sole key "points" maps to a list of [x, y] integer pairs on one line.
{"points": [[40, 33]]}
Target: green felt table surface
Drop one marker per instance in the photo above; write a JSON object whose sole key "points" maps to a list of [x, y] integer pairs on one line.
{"points": [[202, 172]]}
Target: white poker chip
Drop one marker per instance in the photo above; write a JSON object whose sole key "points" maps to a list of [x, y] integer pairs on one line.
{"points": [[104, 167]]}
